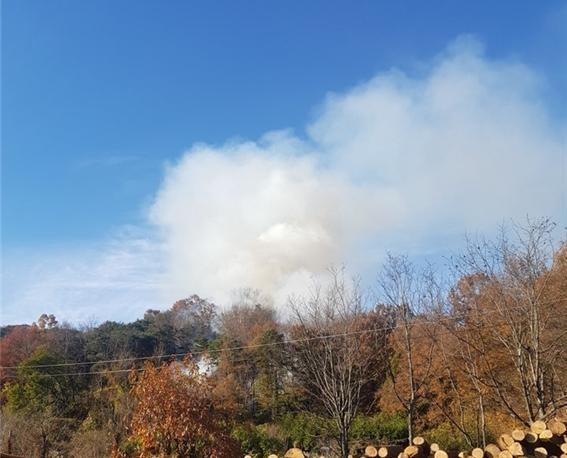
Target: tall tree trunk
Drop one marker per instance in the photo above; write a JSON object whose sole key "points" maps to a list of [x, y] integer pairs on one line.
{"points": [[482, 419], [411, 404], [44, 450], [343, 439]]}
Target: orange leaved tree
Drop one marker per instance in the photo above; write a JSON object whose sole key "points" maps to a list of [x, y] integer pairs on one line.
{"points": [[176, 415]]}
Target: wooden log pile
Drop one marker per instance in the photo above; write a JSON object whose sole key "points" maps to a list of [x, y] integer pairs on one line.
{"points": [[542, 440]]}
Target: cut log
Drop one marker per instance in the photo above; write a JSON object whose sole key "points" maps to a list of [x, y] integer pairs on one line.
{"points": [[390, 451], [294, 453], [545, 435], [531, 437], [516, 449], [411, 450], [563, 447], [477, 453], [492, 450], [557, 427], [272, 456], [440, 454], [371, 451], [504, 441], [540, 452], [419, 441], [518, 435], [434, 447], [505, 454], [403, 455], [538, 426]]}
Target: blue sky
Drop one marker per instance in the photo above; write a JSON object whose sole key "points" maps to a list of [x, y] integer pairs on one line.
{"points": [[98, 97]]}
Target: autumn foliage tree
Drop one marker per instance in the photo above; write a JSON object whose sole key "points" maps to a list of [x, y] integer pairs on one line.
{"points": [[250, 358], [16, 346], [177, 416], [462, 363], [493, 352], [512, 296]]}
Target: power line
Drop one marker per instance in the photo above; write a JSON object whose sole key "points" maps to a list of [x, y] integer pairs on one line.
{"points": [[117, 360], [244, 347], [193, 353], [234, 348], [70, 374]]}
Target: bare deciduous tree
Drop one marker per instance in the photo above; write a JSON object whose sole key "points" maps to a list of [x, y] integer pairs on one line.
{"points": [[410, 295], [515, 308], [337, 350]]}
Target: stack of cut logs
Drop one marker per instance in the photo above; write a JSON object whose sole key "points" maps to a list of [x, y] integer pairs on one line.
{"points": [[542, 440]]}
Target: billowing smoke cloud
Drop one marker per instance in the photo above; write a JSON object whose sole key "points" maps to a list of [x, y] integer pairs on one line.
{"points": [[405, 162], [262, 215], [398, 162]]}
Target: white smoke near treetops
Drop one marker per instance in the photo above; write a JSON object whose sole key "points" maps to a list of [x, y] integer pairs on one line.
{"points": [[391, 163], [406, 162]]}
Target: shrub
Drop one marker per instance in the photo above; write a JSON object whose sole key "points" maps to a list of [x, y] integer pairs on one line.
{"points": [[446, 437], [306, 430], [382, 428], [258, 441]]}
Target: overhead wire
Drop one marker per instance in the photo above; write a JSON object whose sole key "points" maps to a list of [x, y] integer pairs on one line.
{"points": [[233, 348], [219, 350]]}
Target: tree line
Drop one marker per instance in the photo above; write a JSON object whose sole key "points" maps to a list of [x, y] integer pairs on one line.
{"points": [[456, 357]]}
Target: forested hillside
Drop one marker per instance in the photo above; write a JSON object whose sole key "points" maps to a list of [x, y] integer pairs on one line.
{"points": [[457, 356]]}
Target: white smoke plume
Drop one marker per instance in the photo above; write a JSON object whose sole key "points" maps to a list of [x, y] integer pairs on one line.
{"points": [[397, 162]]}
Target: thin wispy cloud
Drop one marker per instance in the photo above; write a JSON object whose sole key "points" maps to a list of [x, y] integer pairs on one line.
{"points": [[117, 278]]}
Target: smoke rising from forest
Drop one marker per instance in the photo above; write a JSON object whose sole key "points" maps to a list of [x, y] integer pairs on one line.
{"points": [[394, 163], [406, 162]]}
